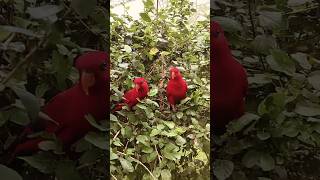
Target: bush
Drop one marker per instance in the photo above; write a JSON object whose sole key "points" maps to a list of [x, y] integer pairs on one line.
{"points": [[151, 141], [278, 43]]}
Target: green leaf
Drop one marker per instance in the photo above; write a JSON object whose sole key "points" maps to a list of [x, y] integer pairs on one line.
{"points": [[165, 174], [250, 159], [62, 67], [127, 49], [145, 17], [270, 19], [66, 170], [180, 140], [202, 156], [153, 51], [113, 156], [281, 62], [113, 118], [94, 123], [143, 139], [302, 59], [266, 162], [19, 117], [228, 24], [171, 152], [179, 115], [170, 124], [297, 2], [14, 29], [307, 108], [263, 135], [126, 165], [90, 156], [29, 101], [314, 79], [264, 43], [260, 79], [154, 132], [242, 122], [8, 173], [41, 90], [4, 117], [41, 162], [223, 169], [141, 106], [97, 139], [43, 12], [148, 4], [263, 178], [152, 156], [47, 145], [263, 160], [153, 92], [148, 101], [84, 7]]}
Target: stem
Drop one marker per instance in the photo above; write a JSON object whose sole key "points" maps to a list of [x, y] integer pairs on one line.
{"points": [[23, 62], [139, 162], [253, 29], [251, 19]]}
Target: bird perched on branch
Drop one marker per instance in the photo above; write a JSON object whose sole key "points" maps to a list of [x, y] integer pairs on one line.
{"points": [[69, 108], [140, 91], [176, 89], [228, 81]]}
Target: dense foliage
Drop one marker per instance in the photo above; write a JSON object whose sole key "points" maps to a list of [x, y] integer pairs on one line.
{"points": [[278, 43], [152, 142], [38, 42]]}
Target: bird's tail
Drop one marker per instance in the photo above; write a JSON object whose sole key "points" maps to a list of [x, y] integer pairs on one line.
{"points": [[26, 147]]}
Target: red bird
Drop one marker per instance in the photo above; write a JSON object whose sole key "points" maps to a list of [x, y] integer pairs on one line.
{"points": [[140, 91], [176, 89], [228, 81], [69, 108]]}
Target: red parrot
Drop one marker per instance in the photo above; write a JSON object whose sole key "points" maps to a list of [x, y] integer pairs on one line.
{"points": [[176, 89], [140, 91], [229, 82], [68, 108]]}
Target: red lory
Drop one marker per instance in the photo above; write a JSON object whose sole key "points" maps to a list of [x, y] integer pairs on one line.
{"points": [[176, 89], [140, 91], [228, 81], [69, 108]]}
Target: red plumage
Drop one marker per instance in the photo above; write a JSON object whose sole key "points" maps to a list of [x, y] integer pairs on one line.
{"points": [[177, 87], [228, 81], [69, 107], [140, 91]]}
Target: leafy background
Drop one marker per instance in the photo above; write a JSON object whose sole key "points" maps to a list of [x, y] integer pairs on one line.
{"points": [[278, 43], [38, 42], [151, 142]]}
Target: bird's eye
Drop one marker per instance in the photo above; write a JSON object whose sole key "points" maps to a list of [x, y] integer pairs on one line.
{"points": [[215, 34], [103, 66]]}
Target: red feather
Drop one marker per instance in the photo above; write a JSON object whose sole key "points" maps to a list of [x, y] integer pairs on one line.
{"points": [[70, 106], [177, 87], [131, 97], [228, 81]]}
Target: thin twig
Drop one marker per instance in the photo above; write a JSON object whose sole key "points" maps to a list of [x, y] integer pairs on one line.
{"points": [[23, 62], [85, 25], [251, 19], [139, 162], [113, 176], [253, 29], [159, 156], [116, 135]]}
